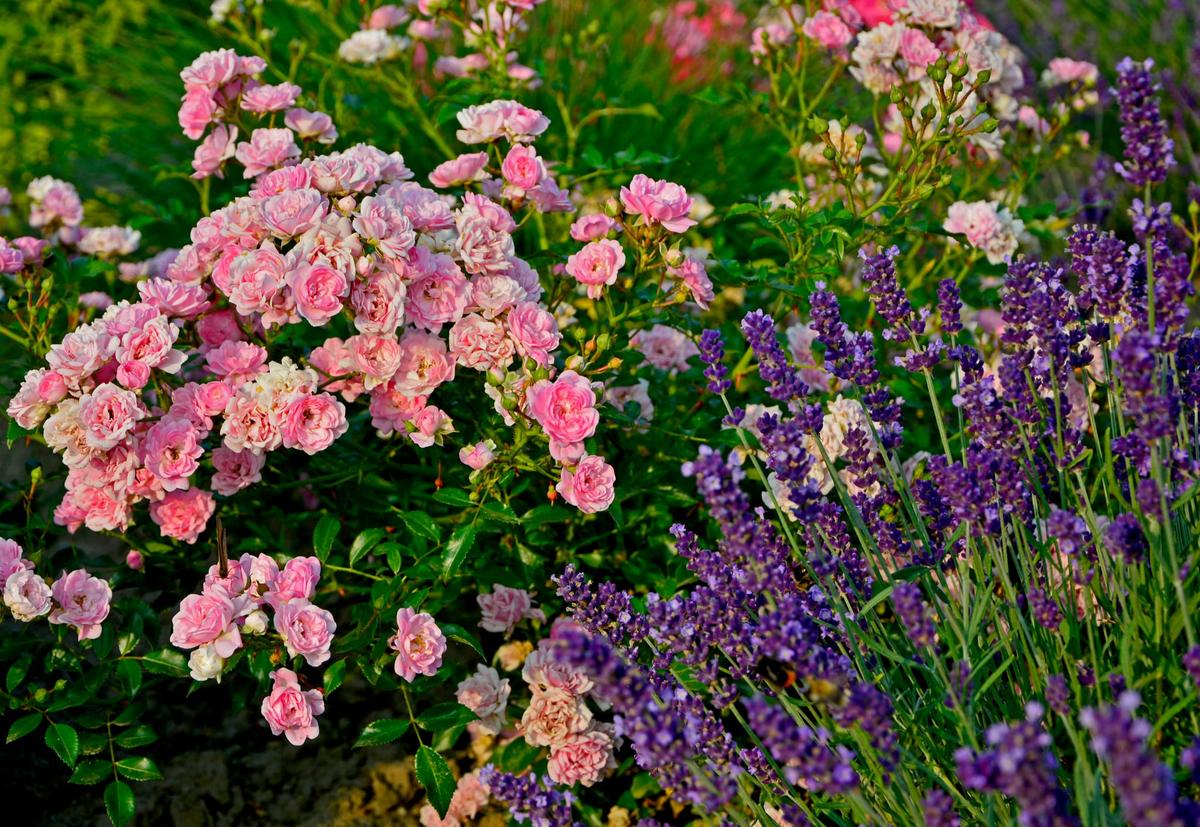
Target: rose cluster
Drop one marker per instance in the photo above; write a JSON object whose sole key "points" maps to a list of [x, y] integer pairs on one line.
{"points": [[76, 598]]}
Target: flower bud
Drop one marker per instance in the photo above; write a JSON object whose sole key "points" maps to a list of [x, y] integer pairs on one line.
{"points": [[984, 76], [206, 664], [256, 622], [612, 207]]}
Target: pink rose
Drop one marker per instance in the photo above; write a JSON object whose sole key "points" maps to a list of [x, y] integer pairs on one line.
{"points": [[665, 347], [589, 486], [28, 407], [212, 153], [1066, 70], [108, 414], [381, 223], [172, 451], [294, 212], [196, 112], [307, 630], [266, 149], [486, 694], [484, 242], [480, 344], [332, 359], [211, 70], [81, 600], [247, 425], [592, 227], [437, 297], [297, 581], [235, 471], [500, 119], [658, 202], [51, 387], [291, 711], [311, 126], [11, 559], [429, 426], [391, 411], [135, 560], [543, 670], [80, 353], [239, 362], [829, 30], [424, 364], [491, 295], [270, 98], [458, 171], [552, 716], [378, 302], [311, 422], [279, 181], [522, 168], [376, 357], [257, 284], [693, 275], [218, 327], [318, 290], [477, 456], [565, 408], [182, 515], [174, 299], [419, 644], [207, 619], [386, 17], [597, 265], [26, 595], [581, 758], [918, 51], [534, 332], [505, 607]]}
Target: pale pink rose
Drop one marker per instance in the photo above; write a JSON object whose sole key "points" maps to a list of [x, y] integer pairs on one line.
{"points": [[543, 670], [505, 607], [108, 414], [27, 596], [376, 357], [522, 168], [565, 408], [173, 299], [32, 249], [182, 515], [424, 364], [593, 227], [370, 46], [552, 716], [520, 272], [211, 70], [235, 471], [318, 289], [218, 327], [55, 202], [11, 559], [428, 211], [589, 485], [51, 387], [386, 17], [11, 258], [239, 362], [196, 111], [491, 295], [1028, 117], [297, 581], [391, 411], [1065, 70], [207, 619], [480, 344], [500, 119], [597, 265], [567, 453], [581, 758], [437, 297], [829, 30], [382, 223], [977, 220], [311, 422], [307, 630], [311, 126], [486, 694], [81, 600], [378, 302], [658, 202], [294, 212], [484, 241], [270, 98], [172, 451], [212, 153], [267, 148], [332, 359], [918, 51], [534, 332], [291, 711], [80, 353], [461, 170], [693, 276], [28, 407], [419, 644], [665, 347], [257, 283], [429, 426], [477, 456], [279, 181], [95, 300], [152, 344], [620, 396]]}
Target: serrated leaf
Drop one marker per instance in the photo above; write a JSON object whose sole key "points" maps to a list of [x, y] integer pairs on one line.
{"points": [[453, 631], [139, 769], [364, 542], [380, 732], [445, 716], [119, 803], [324, 535], [23, 726], [129, 673], [434, 774], [17, 672], [91, 772], [395, 556], [64, 740], [334, 675], [166, 662], [453, 496], [14, 433], [139, 736], [461, 542], [421, 525]]}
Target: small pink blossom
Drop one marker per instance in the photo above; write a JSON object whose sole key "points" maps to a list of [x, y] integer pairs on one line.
{"points": [[665, 347], [235, 471], [26, 595], [291, 711], [581, 758], [266, 149], [438, 297], [597, 265], [534, 332], [212, 153], [297, 581], [477, 456], [480, 344], [486, 694], [658, 202], [311, 126], [135, 560], [207, 619], [182, 515], [108, 414], [505, 607], [693, 276], [500, 119], [458, 171], [294, 212], [82, 601], [829, 30], [318, 290], [172, 451], [307, 630], [593, 227], [553, 715], [266, 98], [1062, 70], [419, 644], [238, 362], [589, 485], [522, 168], [311, 422], [565, 408], [376, 357], [424, 363]]}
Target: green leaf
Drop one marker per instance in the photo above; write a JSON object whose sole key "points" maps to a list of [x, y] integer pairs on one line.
{"points": [[453, 631], [139, 769], [324, 535], [395, 556], [364, 542], [139, 736], [516, 755], [166, 662], [15, 432], [421, 525], [129, 673], [334, 675], [434, 774], [119, 803], [453, 496], [380, 732], [91, 772], [17, 672], [23, 726], [64, 740], [445, 716], [461, 541]]}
